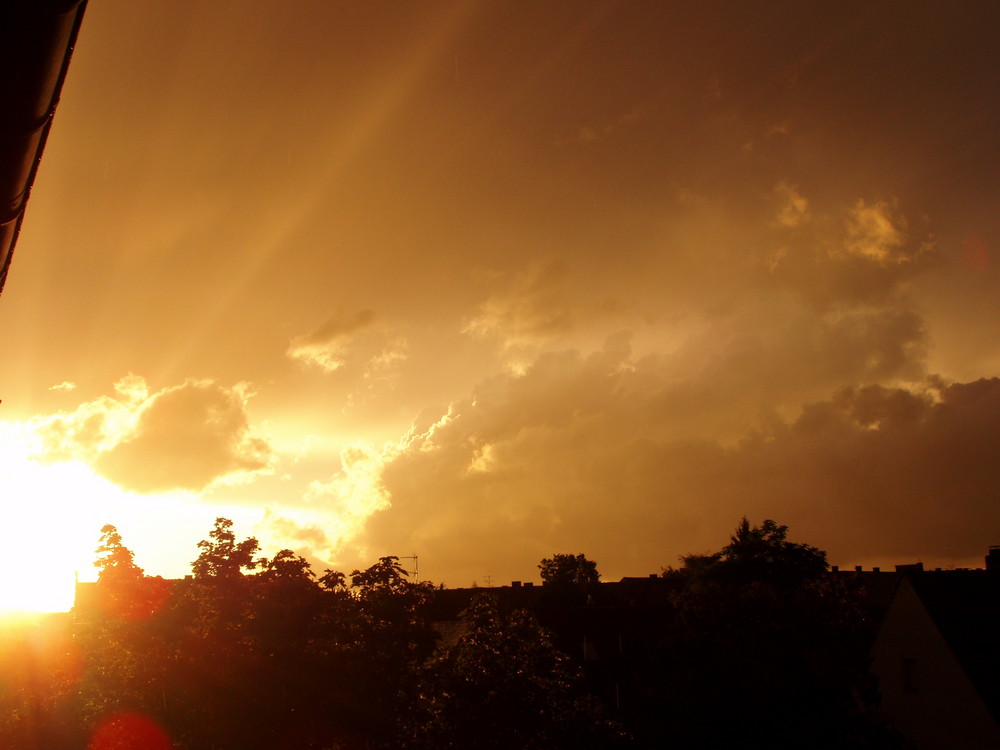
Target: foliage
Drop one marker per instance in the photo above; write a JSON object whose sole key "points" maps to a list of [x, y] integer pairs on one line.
{"points": [[765, 649], [222, 557], [40, 670], [754, 645], [759, 554], [123, 590], [114, 559], [393, 641], [569, 570], [503, 685]]}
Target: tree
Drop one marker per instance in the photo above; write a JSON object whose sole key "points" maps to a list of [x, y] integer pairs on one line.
{"points": [[569, 570], [114, 559], [334, 582], [504, 685], [765, 649], [393, 640], [123, 589], [386, 578], [126, 656], [764, 552], [221, 557]]}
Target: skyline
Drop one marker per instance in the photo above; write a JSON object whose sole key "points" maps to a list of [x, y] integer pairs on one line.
{"points": [[487, 282]]}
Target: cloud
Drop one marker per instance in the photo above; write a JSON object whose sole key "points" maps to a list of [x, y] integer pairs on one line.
{"points": [[904, 472], [590, 134], [538, 305], [94, 427], [873, 232], [616, 456], [183, 437], [793, 209], [66, 385], [384, 362], [279, 530], [858, 255], [642, 449], [354, 346], [334, 511], [326, 346], [532, 308]]}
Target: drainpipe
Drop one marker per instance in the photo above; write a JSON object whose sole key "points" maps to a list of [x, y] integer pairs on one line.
{"points": [[35, 48]]}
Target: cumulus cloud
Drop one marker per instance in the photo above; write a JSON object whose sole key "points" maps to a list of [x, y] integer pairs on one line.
{"points": [[637, 451], [302, 535], [183, 437], [66, 385], [326, 346], [596, 453], [334, 511], [905, 472]]}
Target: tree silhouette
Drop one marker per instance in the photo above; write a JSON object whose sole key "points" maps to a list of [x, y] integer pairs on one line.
{"points": [[765, 650], [222, 557], [569, 570], [754, 645], [114, 559], [393, 640], [759, 554], [503, 685]]}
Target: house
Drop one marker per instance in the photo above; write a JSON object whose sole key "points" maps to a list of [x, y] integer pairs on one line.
{"points": [[936, 656]]}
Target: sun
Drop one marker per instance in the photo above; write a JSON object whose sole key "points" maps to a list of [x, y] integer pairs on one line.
{"points": [[48, 518]]}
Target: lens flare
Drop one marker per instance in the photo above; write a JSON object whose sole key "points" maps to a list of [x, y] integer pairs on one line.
{"points": [[128, 731]]}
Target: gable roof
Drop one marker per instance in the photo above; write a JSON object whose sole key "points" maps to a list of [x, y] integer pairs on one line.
{"points": [[965, 606]]}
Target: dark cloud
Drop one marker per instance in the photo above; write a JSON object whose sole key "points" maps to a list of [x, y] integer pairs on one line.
{"points": [[582, 452], [350, 342], [887, 471], [337, 327], [858, 255]]}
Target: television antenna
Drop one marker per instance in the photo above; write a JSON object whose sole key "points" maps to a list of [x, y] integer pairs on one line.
{"points": [[415, 566]]}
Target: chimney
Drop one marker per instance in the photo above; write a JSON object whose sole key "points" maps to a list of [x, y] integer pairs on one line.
{"points": [[993, 558]]}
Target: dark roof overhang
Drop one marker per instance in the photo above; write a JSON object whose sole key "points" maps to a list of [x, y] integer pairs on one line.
{"points": [[35, 49]]}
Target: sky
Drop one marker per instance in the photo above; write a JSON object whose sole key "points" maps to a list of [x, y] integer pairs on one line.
{"points": [[480, 282]]}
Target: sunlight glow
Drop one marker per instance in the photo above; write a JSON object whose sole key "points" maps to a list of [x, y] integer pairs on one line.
{"points": [[50, 517]]}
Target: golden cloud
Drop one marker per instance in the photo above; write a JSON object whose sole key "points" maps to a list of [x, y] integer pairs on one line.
{"points": [[875, 233], [537, 305], [182, 437], [325, 347], [602, 452]]}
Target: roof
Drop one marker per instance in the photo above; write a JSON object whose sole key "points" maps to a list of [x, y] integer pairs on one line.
{"points": [[965, 606], [34, 57]]}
